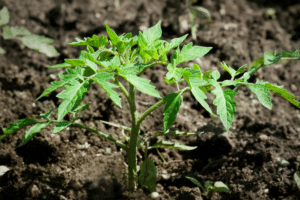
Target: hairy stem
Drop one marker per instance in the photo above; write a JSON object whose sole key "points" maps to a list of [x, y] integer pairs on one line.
{"points": [[135, 127]]}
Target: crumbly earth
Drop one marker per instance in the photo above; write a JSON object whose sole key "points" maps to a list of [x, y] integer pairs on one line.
{"points": [[245, 158]]}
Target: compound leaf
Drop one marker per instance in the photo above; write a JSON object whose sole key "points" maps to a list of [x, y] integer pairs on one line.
{"points": [[101, 78], [147, 176], [174, 101], [142, 85], [32, 132], [72, 97]]}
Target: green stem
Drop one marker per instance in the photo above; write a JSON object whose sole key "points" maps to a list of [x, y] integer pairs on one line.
{"points": [[149, 110], [123, 146], [132, 169]]}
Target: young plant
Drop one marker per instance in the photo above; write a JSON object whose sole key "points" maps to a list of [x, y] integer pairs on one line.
{"points": [[194, 13], [36, 42], [106, 62], [211, 189]]}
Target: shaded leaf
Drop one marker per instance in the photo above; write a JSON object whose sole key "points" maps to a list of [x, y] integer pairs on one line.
{"points": [[147, 175], [174, 101]]}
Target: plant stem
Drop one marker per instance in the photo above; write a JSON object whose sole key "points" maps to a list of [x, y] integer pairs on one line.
{"points": [[135, 127], [102, 134]]}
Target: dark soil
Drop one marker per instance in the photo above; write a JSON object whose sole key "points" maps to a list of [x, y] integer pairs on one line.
{"points": [[245, 158]]}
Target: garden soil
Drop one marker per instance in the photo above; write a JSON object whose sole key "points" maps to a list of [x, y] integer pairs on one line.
{"points": [[256, 158]]}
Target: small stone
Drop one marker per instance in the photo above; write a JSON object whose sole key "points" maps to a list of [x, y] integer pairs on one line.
{"points": [[53, 76], [294, 88], [263, 137], [3, 170], [154, 195]]}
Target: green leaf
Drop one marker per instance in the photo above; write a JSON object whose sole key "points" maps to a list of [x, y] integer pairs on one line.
{"points": [[61, 126], [61, 65], [195, 182], [200, 12], [142, 85], [209, 186], [174, 43], [75, 62], [241, 70], [283, 93], [80, 108], [113, 36], [32, 132], [174, 133], [40, 44], [193, 77], [95, 41], [4, 16], [268, 57], [153, 33], [172, 145], [297, 178], [101, 78], [200, 97], [261, 92], [55, 85], [14, 32], [190, 52], [230, 70], [72, 97], [174, 101], [13, 127], [147, 176], [224, 102], [221, 187], [47, 114]]}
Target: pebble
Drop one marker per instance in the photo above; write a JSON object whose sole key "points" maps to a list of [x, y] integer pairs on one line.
{"points": [[3, 170], [154, 195], [263, 137]]}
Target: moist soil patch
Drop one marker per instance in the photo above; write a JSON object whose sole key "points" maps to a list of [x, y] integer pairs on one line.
{"points": [[77, 164]]}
